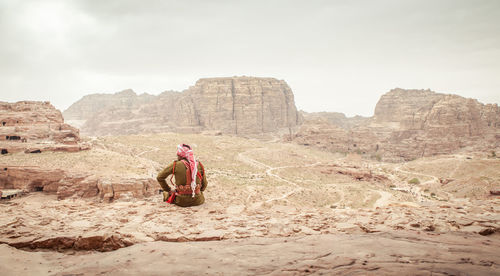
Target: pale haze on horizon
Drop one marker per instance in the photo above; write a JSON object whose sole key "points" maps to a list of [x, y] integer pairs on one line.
{"points": [[336, 56]]}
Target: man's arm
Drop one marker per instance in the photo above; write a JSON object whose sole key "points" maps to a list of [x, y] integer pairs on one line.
{"points": [[163, 175], [204, 181]]}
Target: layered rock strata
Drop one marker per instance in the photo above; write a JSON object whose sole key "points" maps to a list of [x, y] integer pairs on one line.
{"points": [[409, 124], [233, 105], [66, 184], [34, 127]]}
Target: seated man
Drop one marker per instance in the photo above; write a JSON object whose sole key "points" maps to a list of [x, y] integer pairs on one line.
{"points": [[190, 179]]}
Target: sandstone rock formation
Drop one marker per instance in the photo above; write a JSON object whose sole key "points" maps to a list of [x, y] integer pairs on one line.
{"points": [[409, 124], [233, 105], [66, 184], [35, 127], [336, 118]]}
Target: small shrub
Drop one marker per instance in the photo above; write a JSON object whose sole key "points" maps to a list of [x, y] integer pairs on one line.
{"points": [[433, 194], [414, 181], [377, 157]]}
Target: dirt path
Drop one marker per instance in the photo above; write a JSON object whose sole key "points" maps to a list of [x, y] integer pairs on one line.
{"points": [[269, 171], [252, 162], [384, 199], [434, 180], [153, 165], [146, 151]]}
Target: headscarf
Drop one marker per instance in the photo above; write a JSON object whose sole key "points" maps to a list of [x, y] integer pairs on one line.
{"points": [[186, 152]]}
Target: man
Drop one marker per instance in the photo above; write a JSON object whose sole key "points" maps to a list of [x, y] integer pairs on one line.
{"points": [[190, 179]]}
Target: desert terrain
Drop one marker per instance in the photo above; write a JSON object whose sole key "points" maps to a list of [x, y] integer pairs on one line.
{"points": [[272, 208], [336, 137], [412, 190]]}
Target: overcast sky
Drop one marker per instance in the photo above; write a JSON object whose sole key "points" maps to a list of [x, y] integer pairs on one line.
{"points": [[335, 55]]}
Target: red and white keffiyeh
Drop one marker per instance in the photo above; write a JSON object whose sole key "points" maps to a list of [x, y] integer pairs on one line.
{"points": [[186, 152]]}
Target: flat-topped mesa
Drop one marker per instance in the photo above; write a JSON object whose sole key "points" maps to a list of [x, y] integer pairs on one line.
{"points": [[401, 106], [244, 105], [34, 127], [409, 124], [427, 110], [431, 123], [230, 105]]}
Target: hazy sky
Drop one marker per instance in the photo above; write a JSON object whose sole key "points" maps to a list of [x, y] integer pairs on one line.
{"points": [[335, 55]]}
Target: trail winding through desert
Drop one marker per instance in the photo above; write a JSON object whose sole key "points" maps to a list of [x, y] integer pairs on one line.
{"points": [[269, 171]]}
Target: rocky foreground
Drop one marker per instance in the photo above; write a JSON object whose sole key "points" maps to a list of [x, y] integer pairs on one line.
{"points": [[352, 254], [148, 236], [276, 209]]}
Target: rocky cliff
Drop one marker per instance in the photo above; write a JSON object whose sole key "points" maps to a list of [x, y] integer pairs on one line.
{"points": [[409, 124], [90, 105], [233, 105], [35, 127], [80, 185]]}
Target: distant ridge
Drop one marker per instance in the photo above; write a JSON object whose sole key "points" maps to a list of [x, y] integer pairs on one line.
{"points": [[229, 105], [408, 124]]}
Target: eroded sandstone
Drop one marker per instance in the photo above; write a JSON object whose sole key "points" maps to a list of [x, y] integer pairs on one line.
{"points": [[409, 124], [80, 185], [233, 105], [33, 127]]}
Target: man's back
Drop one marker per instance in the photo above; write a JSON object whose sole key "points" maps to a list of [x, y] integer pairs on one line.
{"points": [[179, 169]]}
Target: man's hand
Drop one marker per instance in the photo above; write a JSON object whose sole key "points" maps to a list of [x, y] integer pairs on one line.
{"points": [[166, 195]]}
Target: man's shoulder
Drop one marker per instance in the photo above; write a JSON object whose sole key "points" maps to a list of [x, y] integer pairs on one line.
{"points": [[171, 164]]}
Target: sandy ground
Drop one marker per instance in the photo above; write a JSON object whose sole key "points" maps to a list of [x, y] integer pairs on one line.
{"points": [[270, 208]]}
